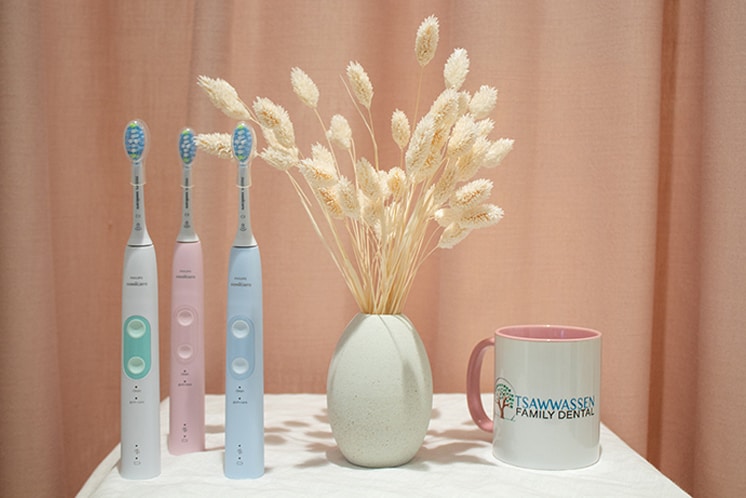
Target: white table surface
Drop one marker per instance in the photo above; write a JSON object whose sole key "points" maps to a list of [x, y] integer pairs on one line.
{"points": [[301, 459]]}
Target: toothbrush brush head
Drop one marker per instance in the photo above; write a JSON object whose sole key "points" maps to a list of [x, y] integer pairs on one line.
{"points": [[243, 142], [187, 146], [135, 139]]}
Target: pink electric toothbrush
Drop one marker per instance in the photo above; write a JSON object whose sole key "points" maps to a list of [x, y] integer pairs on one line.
{"points": [[187, 386], [140, 381]]}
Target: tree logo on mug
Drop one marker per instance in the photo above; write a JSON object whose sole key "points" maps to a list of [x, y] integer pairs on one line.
{"points": [[504, 399]]}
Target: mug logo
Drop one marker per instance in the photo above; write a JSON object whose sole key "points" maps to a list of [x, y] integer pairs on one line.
{"points": [[509, 404], [505, 399]]}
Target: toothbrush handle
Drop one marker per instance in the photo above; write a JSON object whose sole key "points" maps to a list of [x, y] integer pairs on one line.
{"points": [[244, 376], [140, 382], [187, 385]]}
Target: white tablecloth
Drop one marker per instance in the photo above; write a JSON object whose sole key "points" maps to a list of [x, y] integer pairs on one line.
{"points": [[302, 459]]}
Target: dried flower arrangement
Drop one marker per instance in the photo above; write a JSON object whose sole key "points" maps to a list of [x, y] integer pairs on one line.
{"points": [[381, 225]]}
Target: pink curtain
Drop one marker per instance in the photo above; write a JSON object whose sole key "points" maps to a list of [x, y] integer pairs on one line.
{"points": [[623, 198]]}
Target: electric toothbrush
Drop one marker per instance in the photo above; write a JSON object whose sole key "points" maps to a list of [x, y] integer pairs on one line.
{"points": [[187, 385], [244, 376], [140, 383]]}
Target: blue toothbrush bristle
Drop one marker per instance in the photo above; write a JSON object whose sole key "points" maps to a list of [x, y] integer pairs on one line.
{"points": [[134, 140], [187, 146], [243, 140]]}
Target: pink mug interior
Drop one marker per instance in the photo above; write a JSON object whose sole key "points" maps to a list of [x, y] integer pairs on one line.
{"points": [[547, 333]]}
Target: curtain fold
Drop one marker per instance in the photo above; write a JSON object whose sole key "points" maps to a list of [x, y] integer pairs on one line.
{"points": [[32, 413], [622, 197], [676, 322], [721, 372]]}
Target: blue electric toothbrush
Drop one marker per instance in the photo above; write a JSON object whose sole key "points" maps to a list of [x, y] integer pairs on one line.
{"points": [[140, 383], [244, 375]]}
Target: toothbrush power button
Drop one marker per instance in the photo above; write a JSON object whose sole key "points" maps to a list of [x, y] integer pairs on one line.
{"points": [[185, 351], [240, 366], [185, 317], [240, 329], [136, 328], [136, 365]]}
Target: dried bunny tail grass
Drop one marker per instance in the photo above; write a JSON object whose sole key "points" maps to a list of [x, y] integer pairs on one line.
{"points": [[427, 40], [484, 127], [275, 118], [445, 108], [452, 235], [497, 152], [419, 146], [372, 213], [281, 158], [304, 87], [317, 177], [400, 128], [340, 133], [469, 163], [383, 181], [324, 156], [445, 216], [472, 194], [368, 180], [437, 150], [483, 102], [464, 98], [481, 216], [444, 111], [443, 188], [431, 164], [319, 170], [269, 114], [396, 181], [327, 196], [362, 88], [346, 195], [462, 136], [394, 219], [217, 144], [456, 69], [224, 97]]}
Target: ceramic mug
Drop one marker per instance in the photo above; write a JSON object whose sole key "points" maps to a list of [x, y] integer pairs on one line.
{"points": [[547, 386]]}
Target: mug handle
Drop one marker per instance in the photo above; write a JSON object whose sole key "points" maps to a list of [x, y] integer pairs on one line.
{"points": [[473, 396]]}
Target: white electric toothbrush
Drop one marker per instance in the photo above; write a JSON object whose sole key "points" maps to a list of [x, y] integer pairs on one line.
{"points": [[187, 386], [140, 383], [244, 376]]}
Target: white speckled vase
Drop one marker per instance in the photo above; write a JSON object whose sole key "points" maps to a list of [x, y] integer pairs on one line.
{"points": [[379, 391]]}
